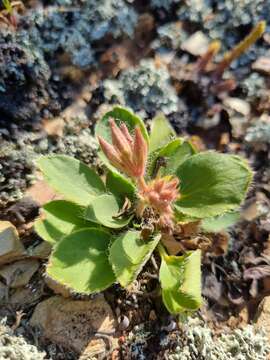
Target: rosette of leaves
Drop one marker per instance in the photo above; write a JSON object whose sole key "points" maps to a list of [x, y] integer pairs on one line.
{"points": [[97, 234]]}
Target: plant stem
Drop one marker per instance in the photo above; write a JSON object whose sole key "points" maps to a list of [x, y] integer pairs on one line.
{"points": [[162, 252], [141, 184]]}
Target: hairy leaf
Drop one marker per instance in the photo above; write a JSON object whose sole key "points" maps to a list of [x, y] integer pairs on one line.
{"points": [[180, 279], [80, 262], [211, 184], [71, 178], [129, 253], [120, 186], [61, 218], [161, 132], [103, 210], [170, 157], [222, 222], [120, 115]]}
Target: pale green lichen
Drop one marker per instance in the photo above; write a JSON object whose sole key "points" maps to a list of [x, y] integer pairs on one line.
{"points": [[258, 133], [143, 87], [14, 347], [198, 342]]}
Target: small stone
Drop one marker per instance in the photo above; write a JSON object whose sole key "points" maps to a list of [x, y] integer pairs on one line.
{"points": [[123, 322], [238, 105], [11, 247], [41, 251], [152, 315], [262, 64], [197, 44], [25, 296], [54, 127], [19, 273], [74, 323]]}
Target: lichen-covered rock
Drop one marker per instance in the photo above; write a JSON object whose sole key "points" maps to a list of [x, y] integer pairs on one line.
{"points": [[24, 77], [143, 87], [16, 168], [16, 348], [258, 133], [74, 28], [226, 20], [170, 36], [198, 342]]}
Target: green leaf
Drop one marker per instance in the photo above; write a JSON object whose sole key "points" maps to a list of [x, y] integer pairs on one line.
{"points": [[103, 210], [120, 115], [71, 178], [128, 255], [173, 154], [183, 218], [180, 278], [219, 223], [120, 186], [161, 132], [211, 184], [80, 262], [61, 218]]}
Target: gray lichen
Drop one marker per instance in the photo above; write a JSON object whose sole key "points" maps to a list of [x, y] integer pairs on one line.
{"points": [[73, 28], [170, 36], [16, 171], [165, 4], [77, 141], [24, 77], [143, 87], [16, 348], [258, 133], [198, 342], [227, 20]]}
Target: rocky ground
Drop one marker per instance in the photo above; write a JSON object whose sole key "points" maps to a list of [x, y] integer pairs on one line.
{"points": [[63, 63]]}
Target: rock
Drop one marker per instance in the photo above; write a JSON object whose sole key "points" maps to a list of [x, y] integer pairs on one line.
{"points": [[74, 323], [238, 105], [262, 64], [263, 317], [23, 211], [41, 251], [3, 292], [26, 295], [11, 247], [19, 273], [196, 44]]}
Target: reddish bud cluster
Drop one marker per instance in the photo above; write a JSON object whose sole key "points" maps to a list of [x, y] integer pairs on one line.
{"points": [[129, 155], [160, 194], [126, 154]]}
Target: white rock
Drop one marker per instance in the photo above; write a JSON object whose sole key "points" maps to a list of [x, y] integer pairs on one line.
{"points": [[197, 44]]}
